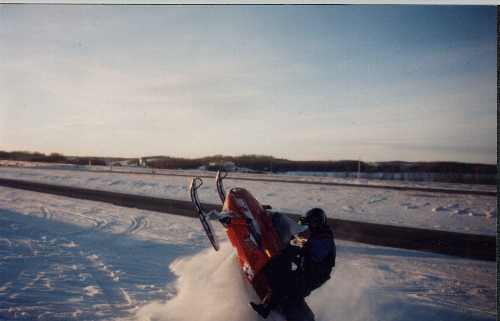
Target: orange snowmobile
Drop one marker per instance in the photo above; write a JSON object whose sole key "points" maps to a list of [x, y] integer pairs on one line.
{"points": [[258, 234]]}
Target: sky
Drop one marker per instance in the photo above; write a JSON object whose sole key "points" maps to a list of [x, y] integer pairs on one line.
{"points": [[377, 83]]}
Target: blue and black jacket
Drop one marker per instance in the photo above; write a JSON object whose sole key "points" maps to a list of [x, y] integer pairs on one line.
{"points": [[318, 257]]}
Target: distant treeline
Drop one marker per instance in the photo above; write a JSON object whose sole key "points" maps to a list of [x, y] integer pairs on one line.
{"points": [[266, 163], [269, 163], [50, 158]]}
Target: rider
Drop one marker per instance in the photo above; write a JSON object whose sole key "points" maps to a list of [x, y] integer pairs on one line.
{"points": [[314, 262]]}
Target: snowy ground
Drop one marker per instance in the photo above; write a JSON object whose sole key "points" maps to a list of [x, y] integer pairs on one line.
{"points": [[67, 259], [295, 176], [452, 212]]}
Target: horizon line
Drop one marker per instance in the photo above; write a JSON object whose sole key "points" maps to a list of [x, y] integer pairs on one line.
{"points": [[254, 154]]}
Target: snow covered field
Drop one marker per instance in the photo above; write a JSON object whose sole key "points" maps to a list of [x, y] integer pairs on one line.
{"points": [[323, 177], [452, 212], [67, 259]]}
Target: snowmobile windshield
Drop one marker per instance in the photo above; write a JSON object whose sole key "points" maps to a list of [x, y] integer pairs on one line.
{"points": [[286, 228]]}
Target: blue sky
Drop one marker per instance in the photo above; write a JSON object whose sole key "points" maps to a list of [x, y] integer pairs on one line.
{"points": [[379, 83]]}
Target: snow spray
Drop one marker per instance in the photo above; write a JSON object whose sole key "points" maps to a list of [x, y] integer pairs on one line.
{"points": [[347, 295], [210, 287]]}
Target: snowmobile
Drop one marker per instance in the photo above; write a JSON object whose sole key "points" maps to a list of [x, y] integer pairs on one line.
{"points": [[258, 234]]}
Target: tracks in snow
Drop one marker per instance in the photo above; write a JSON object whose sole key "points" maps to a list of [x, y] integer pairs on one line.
{"points": [[137, 224], [47, 214]]}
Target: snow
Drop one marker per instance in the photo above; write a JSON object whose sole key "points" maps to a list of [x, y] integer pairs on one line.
{"points": [[92, 290], [69, 259], [452, 212], [295, 176]]}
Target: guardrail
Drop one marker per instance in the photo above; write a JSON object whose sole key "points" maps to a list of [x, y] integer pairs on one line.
{"points": [[474, 246]]}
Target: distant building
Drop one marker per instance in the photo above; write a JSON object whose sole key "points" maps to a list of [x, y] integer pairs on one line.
{"points": [[145, 161], [229, 166]]}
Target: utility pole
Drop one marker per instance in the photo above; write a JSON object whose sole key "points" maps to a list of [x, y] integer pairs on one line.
{"points": [[359, 166]]}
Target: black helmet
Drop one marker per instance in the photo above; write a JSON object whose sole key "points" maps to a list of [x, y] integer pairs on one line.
{"points": [[314, 217]]}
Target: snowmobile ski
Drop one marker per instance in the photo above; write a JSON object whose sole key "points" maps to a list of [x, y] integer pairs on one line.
{"points": [[203, 216], [221, 174]]}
